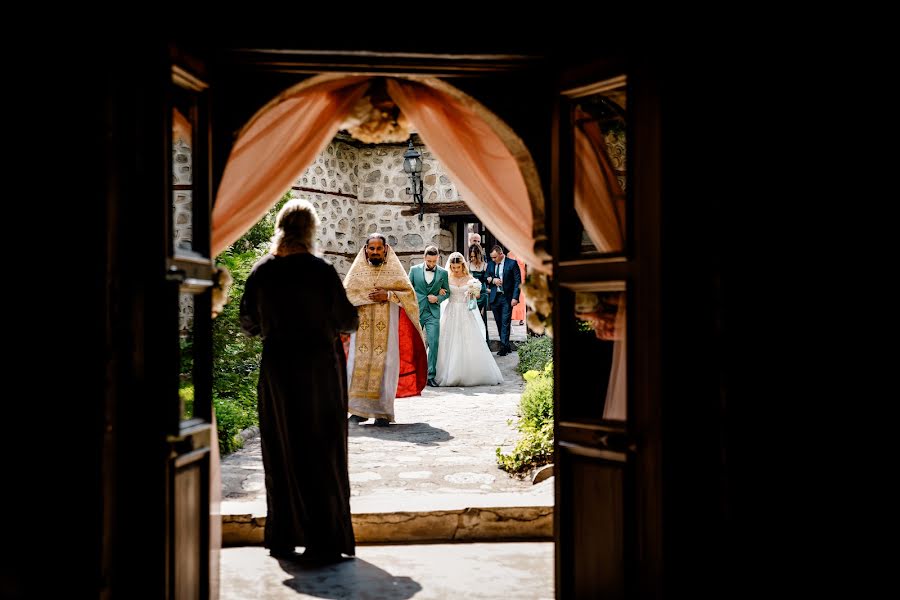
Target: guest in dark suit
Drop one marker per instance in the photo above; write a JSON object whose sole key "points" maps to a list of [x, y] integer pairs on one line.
{"points": [[504, 280]]}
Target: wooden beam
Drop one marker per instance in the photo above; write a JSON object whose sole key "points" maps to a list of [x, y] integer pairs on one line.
{"points": [[374, 63], [441, 208]]}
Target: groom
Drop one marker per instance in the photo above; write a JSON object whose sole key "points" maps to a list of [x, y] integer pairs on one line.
{"points": [[503, 279], [431, 284]]}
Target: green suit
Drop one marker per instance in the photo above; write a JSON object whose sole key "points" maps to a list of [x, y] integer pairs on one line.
{"points": [[430, 314]]}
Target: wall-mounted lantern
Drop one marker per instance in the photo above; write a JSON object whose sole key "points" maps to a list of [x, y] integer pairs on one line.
{"points": [[412, 165]]}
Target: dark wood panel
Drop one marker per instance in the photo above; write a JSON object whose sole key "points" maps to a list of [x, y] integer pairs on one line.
{"points": [[317, 61], [593, 507], [646, 406], [592, 274], [190, 523], [599, 436]]}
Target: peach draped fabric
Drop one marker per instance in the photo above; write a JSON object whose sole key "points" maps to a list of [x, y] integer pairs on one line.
{"points": [[600, 204], [285, 137], [484, 169], [181, 127], [274, 149], [599, 200]]}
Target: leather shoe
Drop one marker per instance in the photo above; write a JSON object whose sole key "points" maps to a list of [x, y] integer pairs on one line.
{"points": [[382, 422], [283, 553], [356, 419], [433, 383], [503, 352]]}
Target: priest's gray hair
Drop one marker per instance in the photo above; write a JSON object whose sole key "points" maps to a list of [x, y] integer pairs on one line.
{"points": [[295, 227]]}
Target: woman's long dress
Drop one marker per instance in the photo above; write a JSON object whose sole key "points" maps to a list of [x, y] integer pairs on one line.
{"points": [[463, 357]]}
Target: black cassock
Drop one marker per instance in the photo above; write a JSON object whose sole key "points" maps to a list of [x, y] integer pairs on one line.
{"points": [[298, 305]]}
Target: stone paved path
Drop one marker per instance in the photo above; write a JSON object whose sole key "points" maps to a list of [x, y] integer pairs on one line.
{"points": [[523, 571], [440, 454]]}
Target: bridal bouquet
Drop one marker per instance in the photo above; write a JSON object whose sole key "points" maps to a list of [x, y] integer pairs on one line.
{"points": [[472, 293]]}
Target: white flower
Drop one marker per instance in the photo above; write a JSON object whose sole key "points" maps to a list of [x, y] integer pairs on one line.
{"points": [[540, 301], [543, 306], [222, 284], [535, 323]]}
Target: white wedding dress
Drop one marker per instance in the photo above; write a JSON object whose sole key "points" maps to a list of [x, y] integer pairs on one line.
{"points": [[463, 357]]}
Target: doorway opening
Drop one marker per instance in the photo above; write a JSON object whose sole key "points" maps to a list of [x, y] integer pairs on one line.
{"points": [[443, 454]]}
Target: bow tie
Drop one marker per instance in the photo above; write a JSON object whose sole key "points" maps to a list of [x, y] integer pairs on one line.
{"points": [[427, 269]]}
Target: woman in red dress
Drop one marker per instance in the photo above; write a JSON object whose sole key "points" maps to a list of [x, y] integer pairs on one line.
{"points": [[518, 311]]}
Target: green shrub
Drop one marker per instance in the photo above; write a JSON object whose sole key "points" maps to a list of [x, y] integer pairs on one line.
{"points": [[186, 393], [536, 405], [236, 356], [535, 353], [231, 419], [535, 447]]}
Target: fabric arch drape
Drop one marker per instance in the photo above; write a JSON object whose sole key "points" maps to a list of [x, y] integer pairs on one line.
{"points": [[483, 168], [600, 205], [285, 137], [599, 199], [181, 127], [273, 151]]}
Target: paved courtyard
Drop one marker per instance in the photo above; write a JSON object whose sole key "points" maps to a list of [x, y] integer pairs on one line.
{"points": [[440, 454]]}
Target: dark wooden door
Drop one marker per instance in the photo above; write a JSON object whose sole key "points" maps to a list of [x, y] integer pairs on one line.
{"points": [[189, 275], [158, 432], [605, 262]]}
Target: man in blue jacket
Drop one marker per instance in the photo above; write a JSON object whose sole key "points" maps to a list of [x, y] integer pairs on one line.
{"points": [[503, 280]]}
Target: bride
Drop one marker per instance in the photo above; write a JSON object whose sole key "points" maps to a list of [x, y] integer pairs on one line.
{"points": [[463, 358]]}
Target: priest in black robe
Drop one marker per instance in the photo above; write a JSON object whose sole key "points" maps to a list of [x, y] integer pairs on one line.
{"points": [[297, 303]]}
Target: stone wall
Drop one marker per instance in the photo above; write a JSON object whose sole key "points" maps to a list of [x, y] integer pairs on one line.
{"points": [[356, 190], [182, 176], [183, 230], [360, 190]]}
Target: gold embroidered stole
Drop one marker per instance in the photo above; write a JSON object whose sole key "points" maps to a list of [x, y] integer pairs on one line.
{"points": [[371, 349], [375, 318]]}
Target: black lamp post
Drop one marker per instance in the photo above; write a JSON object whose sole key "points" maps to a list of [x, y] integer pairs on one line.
{"points": [[412, 165]]}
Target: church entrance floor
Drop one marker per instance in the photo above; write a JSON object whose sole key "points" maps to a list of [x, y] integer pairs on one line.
{"points": [[431, 476]]}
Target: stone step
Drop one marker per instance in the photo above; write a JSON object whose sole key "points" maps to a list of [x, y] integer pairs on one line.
{"points": [[495, 524]]}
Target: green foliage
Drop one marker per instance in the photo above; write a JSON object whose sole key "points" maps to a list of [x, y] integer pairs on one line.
{"points": [[186, 393], [231, 419], [535, 353], [236, 356], [260, 234], [535, 447], [536, 405]]}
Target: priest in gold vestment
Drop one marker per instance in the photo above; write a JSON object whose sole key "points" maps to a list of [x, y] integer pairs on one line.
{"points": [[386, 358]]}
